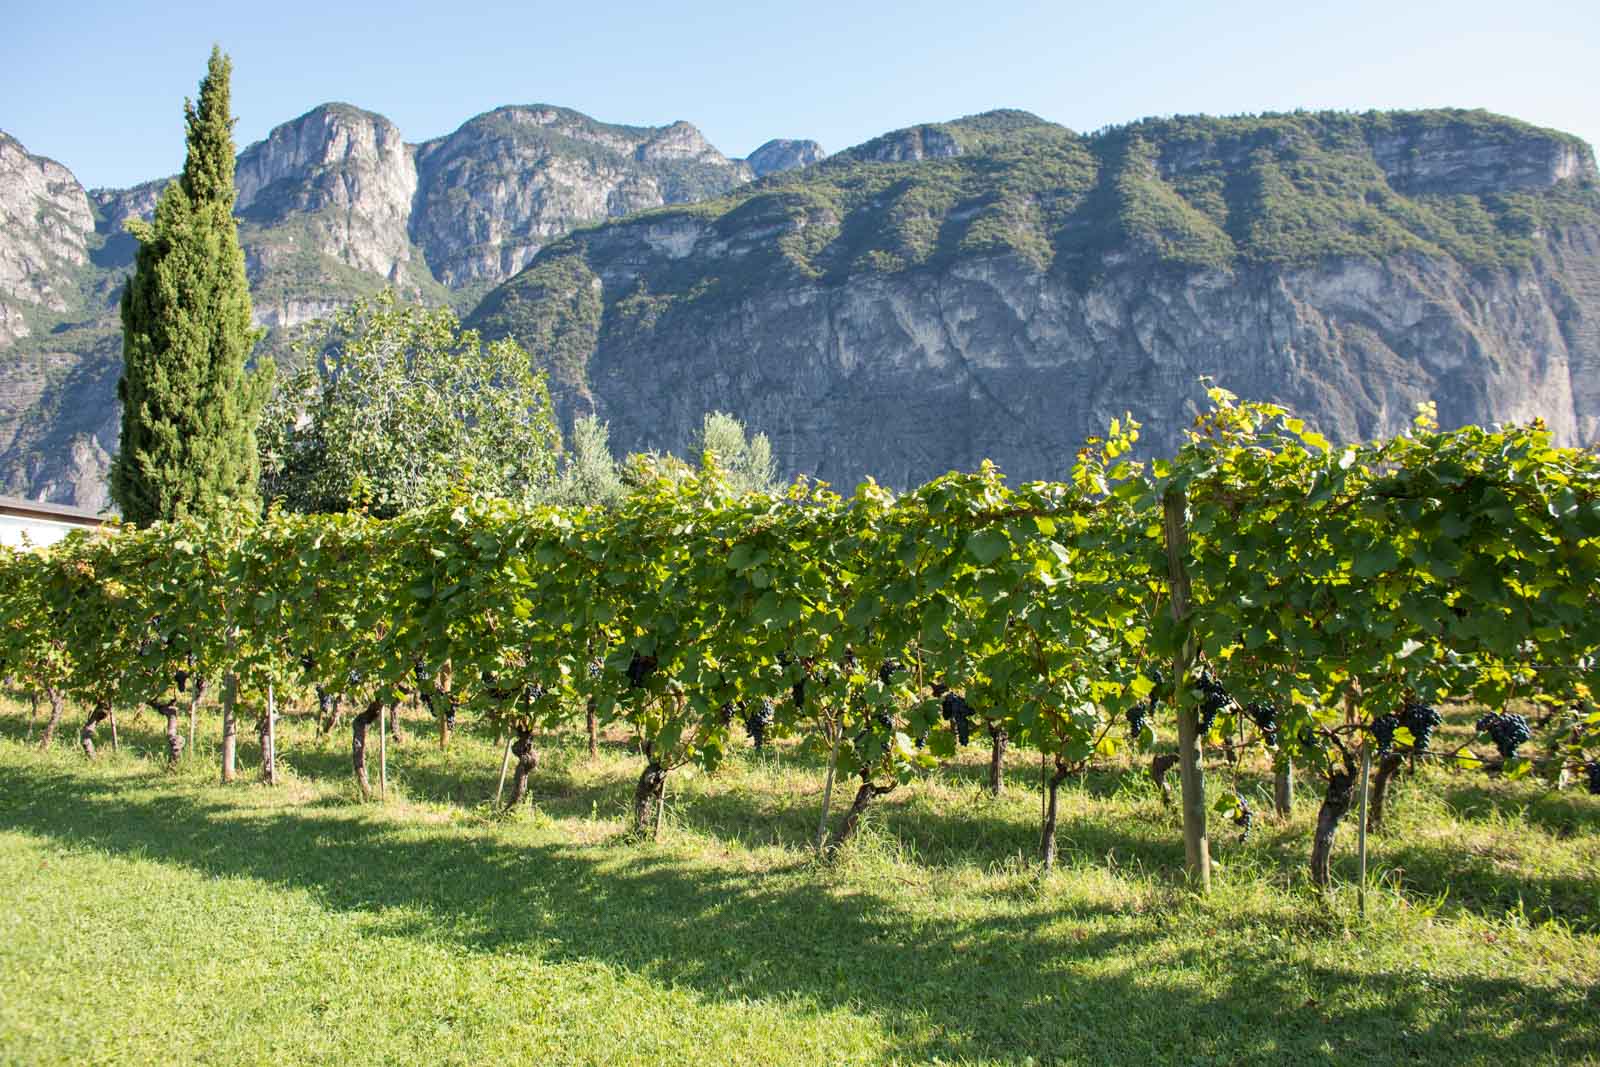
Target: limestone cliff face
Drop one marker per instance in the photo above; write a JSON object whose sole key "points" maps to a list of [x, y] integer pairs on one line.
{"points": [[868, 338], [780, 155], [45, 222], [508, 182], [346, 175]]}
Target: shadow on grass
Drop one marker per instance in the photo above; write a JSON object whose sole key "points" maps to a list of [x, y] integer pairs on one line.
{"points": [[1044, 980]]}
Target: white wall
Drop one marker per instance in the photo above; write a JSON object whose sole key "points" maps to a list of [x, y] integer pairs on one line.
{"points": [[38, 531]]}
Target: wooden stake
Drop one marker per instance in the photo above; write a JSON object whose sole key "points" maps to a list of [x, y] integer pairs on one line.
{"points": [[383, 752], [272, 738], [1361, 829], [827, 791], [661, 806], [505, 765], [1196, 845], [112, 715]]}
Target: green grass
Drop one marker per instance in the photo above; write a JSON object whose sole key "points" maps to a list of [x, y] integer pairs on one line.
{"points": [[155, 917]]}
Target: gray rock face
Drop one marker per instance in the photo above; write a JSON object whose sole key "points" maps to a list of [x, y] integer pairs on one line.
{"points": [[345, 175], [907, 146], [508, 182], [45, 223], [780, 155], [904, 376]]}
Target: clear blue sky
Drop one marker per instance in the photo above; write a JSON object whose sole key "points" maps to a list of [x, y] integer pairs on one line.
{"points": [[99, 86]]}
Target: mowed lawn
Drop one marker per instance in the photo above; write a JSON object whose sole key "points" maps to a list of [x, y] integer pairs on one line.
{"points": [[152, 917]]}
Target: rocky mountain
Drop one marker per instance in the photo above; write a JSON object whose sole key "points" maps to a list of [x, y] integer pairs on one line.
{"points": [[1000, 287], [992, 287], [332, 206]]}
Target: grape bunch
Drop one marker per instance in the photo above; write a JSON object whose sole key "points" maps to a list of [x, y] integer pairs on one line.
{"points": [[725, 715], [1592, 768], [324, 702], [1213, 698], [757, 721], [887, 670], [1506, 730], [884, 721], [1137, 716], [956, 711], [596, 665], [1265, 715], [1383, 728], [1244, 818], [639, 668], [798, 691], [1422, 720]]}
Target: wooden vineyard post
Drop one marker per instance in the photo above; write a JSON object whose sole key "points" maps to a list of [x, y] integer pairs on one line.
{"points": [[1197, 849], [661, 807], [383, 752], [827, 790], [505, 765], [271, 755], [1283, 786], [1361, 829], [112, 715]]}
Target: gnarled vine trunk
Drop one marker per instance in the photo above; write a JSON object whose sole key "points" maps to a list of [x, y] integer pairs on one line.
{"points": [[1047, 832], [328, 713], [1159, 766], [58, 707], [527, 760], [101, 712], [358, 744], [1388, 767], [858, 807], [647, 795], [33, 712], [997, 760], [1335, 805], [169, 711], [269, 748]]}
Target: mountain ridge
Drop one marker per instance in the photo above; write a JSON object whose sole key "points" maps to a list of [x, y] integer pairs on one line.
{"points": [[996, 274]]}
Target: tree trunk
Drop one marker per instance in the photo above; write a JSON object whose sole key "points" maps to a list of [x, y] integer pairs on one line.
{"points": [[594, 731], [101, 711], [58, 707], [230, 725], [852, 818], [1283, 786], [1388, 767], [647, 794], [997, 761], [1159, 766], [174, 737], [527, 760], [1334, 806], [395, 733], [1047, 832], [358, 745]]}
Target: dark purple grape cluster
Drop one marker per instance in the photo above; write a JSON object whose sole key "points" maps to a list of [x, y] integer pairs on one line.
{"points": [[1244, 818], [1265, 715], [956, 711], [639, 669], [887, 670], [596, 665], [1213, 698], [757, 722], [1422, 720], [1383, 728], [1592, 768], [725, 715], [1137, 717], [1507, 730]]}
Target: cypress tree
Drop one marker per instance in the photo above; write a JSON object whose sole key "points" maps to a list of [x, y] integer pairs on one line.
{"points": [[189, 407]]}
